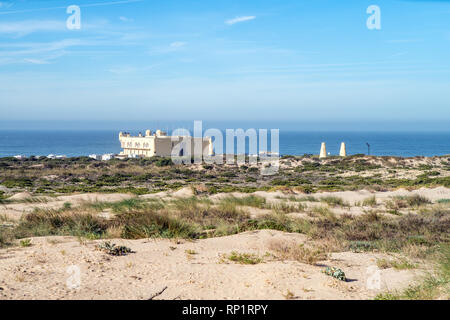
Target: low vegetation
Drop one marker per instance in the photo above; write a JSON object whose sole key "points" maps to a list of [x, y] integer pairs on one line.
{"points": [[415, 230], [434, 285], [334, 201], [198, 217], [399, 264], [114, 250], [297, 252], [335, 273], [370, 202], [141, 176], [244, 258]]}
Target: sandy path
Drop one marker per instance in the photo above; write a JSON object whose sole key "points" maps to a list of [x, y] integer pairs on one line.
{"points": [[40, 271]]}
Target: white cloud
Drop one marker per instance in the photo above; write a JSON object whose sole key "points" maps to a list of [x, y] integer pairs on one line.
{"points": [[239, 19], [122, 70], [36, 61], [177, 44], [172, 47], [125, 19]]}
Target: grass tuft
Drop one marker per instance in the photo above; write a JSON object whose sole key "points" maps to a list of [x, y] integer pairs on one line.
{"points": [[244, 258]]}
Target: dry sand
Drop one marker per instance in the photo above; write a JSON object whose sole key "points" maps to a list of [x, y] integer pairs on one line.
{"points": [[41, 271]]}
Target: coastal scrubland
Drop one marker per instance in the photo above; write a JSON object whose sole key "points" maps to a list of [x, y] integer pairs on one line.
{"points": [[225, 229], [140, 176]]}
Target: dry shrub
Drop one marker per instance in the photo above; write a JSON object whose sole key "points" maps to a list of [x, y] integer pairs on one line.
{"points": [[199, 189], [287, 250], [416, 251], [149, 224]]}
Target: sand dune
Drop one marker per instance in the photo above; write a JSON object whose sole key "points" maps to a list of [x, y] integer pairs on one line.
{"points": [[40, 271]]}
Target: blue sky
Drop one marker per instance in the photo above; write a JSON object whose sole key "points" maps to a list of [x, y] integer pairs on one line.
{"points": [[290, 60]]}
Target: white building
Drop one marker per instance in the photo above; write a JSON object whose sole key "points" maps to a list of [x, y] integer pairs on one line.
{"points": [[107, 157], [95, 156], [160, 144]]}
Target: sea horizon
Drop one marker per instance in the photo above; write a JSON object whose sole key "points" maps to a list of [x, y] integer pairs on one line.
{"points": [[73, 143]]}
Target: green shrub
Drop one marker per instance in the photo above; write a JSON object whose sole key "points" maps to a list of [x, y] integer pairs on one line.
{"points": [[25, 243], [244, 258], [18, 183], [250, 201], [335, 273], [370, 202], [113, 250], [362, 246], [150, 224], [45, 223], [164, 162], [333, 201]]}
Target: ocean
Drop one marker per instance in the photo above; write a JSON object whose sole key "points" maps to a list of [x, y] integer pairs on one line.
{"points": [[82, 143]]}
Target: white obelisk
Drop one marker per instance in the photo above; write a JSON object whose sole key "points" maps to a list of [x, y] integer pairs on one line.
{"points": [[323, 151], [343, 152], [210, 148]]}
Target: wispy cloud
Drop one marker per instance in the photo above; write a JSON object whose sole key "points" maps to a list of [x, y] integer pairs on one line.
{"points": [[172, 47], [125, 19], [404, 40], [127, 69], [38, 52], [122, 70], [5, 5], [110, 3], [239, 19], [177, 44], [21, 28], [36, 61]]}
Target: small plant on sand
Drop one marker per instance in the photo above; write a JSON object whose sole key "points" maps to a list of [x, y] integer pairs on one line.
{"points": [[324, 212], [334, 201], [335, 273], [112, 249], [291, 251], [362, 246], [67, 206], [403, 264], [417, 200], [244, 258], [25, 243], [400, 264], [249, 201], [289, 295], [370, 202], [383, 264], [411, 201], [287, 208]]}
